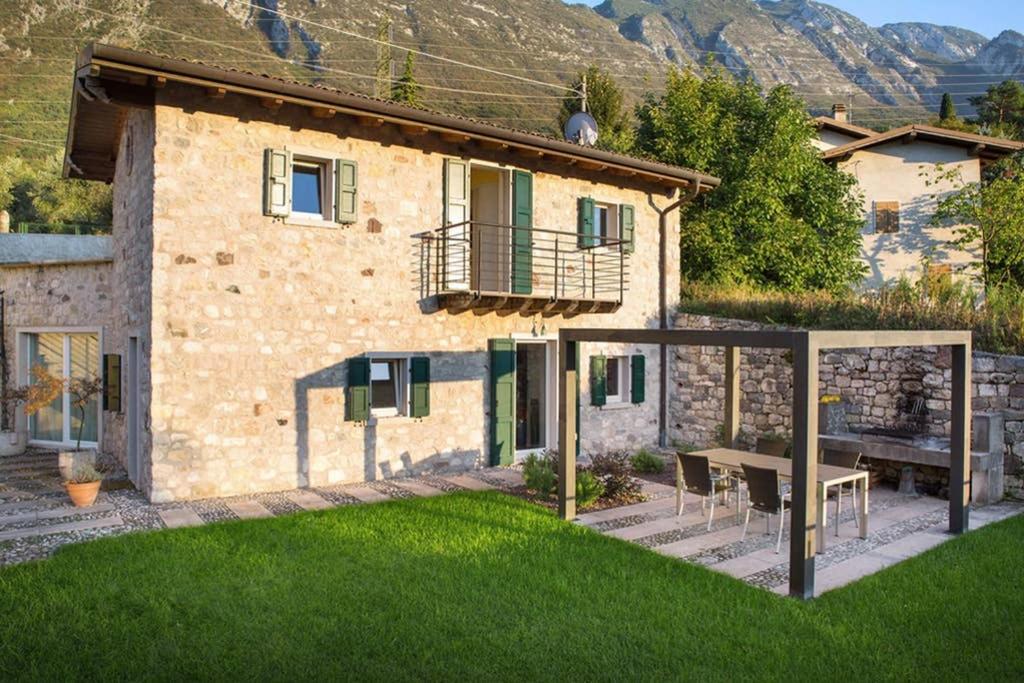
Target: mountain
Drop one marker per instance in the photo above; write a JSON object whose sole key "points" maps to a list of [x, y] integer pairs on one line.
{"points": [[889, 74]]}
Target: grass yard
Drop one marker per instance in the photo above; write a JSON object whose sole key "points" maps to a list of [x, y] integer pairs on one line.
{"points": [[482, 585]]}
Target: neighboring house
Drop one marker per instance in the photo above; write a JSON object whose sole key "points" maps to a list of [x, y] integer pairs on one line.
{"points": [[892, 171], [310, 287]]}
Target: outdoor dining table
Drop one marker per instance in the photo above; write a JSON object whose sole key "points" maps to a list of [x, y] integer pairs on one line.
{"points": [[828, 475]]}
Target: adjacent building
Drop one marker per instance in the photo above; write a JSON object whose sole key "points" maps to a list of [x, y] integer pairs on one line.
{"points": [[307, 287], [898, 174]]}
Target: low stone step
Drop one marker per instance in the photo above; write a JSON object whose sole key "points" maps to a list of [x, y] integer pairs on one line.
{"points": [[418, 488], [54, 513], [366, 494], [308, 500], [79, 525], [505, 475], [468, 482], [180, 517], [248, 509]]}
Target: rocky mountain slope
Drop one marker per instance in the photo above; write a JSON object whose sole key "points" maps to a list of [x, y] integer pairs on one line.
{"points": [[887, 75]]}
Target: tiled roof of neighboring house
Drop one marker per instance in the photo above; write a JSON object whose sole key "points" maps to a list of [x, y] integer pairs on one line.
{"points": [[843, 127], [983, 145], [97, 102], [29, 249]]}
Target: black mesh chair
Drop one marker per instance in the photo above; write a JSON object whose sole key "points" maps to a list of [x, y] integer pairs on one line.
{"points": [[698, 479], [850, 461], [764, 495]]}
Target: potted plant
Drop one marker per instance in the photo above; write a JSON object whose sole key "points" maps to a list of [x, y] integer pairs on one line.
{"points": [[832, 415], [81, 391], [84, 485], [12, 440]]}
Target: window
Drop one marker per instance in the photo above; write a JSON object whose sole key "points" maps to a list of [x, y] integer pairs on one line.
{"points": [[887, 217], [387, 386], [616, 384], [63, 354], [606, 224], [308, 188]]}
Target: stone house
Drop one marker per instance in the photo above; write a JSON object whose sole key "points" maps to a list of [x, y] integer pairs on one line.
{"points": [[893, 170], [310, 287]]}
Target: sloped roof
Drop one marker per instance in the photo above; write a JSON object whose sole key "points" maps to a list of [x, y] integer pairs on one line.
{"points": [[843, 127], [109, 78], [29, 249], [983, 145]]}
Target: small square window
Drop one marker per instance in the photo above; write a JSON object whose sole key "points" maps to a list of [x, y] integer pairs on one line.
{"points": [[387, 386], [308, 185], [606, 223]]}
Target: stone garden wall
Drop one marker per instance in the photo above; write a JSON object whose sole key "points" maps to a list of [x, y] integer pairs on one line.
{"points": [[878, 386]]}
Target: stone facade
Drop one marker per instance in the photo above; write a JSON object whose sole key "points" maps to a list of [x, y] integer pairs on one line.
{"points": [[245, 322], [875, 385]]}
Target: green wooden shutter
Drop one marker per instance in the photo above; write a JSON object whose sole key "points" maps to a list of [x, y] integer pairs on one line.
{"points": [[522, 239], [277, 182], [456, 191], [627, 217], [637, 369], [585, 223], [358, 400], [346, 200], [598, 380], [419, 386], [503, 401], [112, 382]]}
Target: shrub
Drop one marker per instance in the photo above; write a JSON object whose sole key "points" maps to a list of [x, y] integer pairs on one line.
{"points": [[613, 471], [539, 475], [588, 488], [646, 462]]}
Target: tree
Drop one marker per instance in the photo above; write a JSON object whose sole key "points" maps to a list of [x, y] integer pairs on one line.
{"points": [[947, 110], [606, 103], [33, 191], [781, 218], [406, 90], [987, 216], [1001, 108]]}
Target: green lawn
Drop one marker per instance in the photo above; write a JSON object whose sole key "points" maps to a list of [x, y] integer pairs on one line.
{"points": [[481, 585]]}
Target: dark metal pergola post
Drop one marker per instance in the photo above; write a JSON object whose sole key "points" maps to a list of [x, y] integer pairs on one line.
{"points": [[805, 346]]}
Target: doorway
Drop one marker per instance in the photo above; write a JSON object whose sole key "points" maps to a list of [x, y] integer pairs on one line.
{"points": [[534, 400], [490, 206], [132, 406]]}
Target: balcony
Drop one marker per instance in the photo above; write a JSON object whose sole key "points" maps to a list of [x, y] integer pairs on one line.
{"points": [[482, 267]]}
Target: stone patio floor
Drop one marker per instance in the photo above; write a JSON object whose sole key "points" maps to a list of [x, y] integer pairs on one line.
{"points": [[36, 518], [900, 526]]}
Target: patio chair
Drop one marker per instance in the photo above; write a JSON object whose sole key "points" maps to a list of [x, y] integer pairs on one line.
{"points": [[699, 480], [764, 495], [773, 447], [850, 461]]}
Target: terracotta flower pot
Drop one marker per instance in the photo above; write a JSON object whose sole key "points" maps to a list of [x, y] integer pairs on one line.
{"points": [[83, 495]]}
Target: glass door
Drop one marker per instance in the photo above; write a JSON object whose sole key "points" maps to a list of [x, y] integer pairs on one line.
{"points": [[75, 355], [531, 396]]}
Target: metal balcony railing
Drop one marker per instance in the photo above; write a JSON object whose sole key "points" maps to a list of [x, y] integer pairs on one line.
{"points": [[492, 259]]}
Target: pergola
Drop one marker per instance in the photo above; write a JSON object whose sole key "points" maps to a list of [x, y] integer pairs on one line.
{"points": [[804, 346]]}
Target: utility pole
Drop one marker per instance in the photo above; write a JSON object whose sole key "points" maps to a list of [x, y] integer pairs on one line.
{"points": [[384, 75]]}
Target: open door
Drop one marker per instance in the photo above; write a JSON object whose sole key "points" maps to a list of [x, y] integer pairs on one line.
{"points": [[456, 242]]}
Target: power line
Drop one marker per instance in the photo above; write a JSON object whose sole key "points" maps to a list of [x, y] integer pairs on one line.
{"points": [[32, 142]]}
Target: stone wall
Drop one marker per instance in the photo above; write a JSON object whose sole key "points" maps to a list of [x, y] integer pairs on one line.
{"points": [[875, 385], [253, 318]]}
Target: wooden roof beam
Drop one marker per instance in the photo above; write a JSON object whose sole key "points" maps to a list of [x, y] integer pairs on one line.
{"points": [[415, 131], [216, 93], [323, 112], [455, 137], [272, 103], [370, 121]]}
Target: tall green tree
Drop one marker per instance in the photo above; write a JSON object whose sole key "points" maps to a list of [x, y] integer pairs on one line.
{"points": [[947, 110], [33, 191], [606, 102], [406, 90], [1001, 109], [987, 216], [781, 218]]}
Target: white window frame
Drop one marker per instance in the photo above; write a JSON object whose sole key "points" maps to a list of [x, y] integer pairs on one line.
{"points": [[613, 229], [622, 396], [23, 369], [402, 390], [328, 170]]}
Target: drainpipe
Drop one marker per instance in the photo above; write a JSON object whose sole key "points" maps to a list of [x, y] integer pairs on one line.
{"points": [[663, 215]]}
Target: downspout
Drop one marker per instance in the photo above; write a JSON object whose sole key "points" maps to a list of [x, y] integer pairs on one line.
{"points": [[663, 215]]}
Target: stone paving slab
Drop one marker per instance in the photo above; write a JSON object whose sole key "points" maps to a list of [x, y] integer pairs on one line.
{"points": [[79, 525], [417, 487], [468, 482], [507, 476], [54, 513], [308, 500], [248, 509], [366, 494], [175, 518]]}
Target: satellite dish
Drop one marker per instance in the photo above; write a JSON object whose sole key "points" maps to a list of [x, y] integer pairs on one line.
{"points": [[581, 128]]}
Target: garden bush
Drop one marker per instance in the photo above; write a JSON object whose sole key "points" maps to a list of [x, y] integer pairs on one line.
{"points": [[539, 475], [613, 471], [588, 488], [646, 462]]}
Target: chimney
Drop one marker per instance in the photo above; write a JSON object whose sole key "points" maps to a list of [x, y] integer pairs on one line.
{"points": [[5, 221], [839, 112]]}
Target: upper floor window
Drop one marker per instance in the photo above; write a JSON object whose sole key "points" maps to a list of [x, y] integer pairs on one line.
{"points": [[887, 217], [309, 187], [605, 224]]}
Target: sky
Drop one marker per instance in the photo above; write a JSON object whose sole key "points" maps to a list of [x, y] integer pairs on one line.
{"points": [[987, 17]]}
